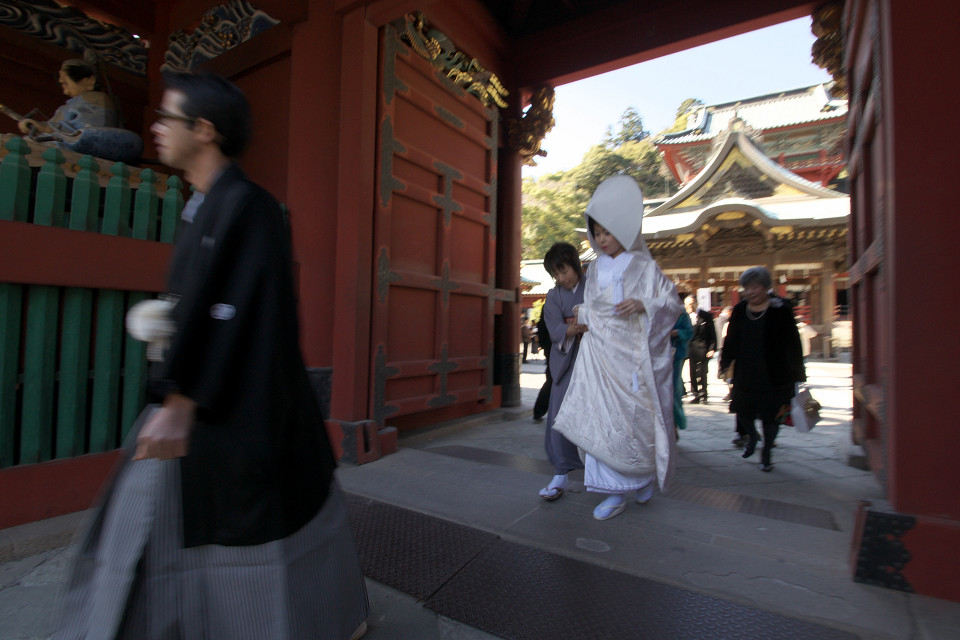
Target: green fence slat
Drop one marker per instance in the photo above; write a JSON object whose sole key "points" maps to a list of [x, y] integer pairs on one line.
{"points": [[105, 404], [10, 309], [15, 181], [172, 206], [85, 201], [39, 374], [134, 375], [116, 202], [74, 372], [51, 190], [145, 208]]}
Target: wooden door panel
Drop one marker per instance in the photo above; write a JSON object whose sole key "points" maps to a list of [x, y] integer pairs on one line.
{"points": [[435, 239]]}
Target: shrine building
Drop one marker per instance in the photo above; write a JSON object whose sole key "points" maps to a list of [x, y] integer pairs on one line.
{"points": [[747, 198]]}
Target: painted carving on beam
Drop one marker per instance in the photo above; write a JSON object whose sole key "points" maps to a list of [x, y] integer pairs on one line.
{"points": [[525, 134], [827, 51], [73, 30], [221, 29], [464, 71]]}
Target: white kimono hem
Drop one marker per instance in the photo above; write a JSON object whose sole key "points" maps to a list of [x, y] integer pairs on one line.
{"points": [[599, 478]]}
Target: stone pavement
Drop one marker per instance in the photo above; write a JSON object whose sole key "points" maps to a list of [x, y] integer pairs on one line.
{"points": [[778, 542]]}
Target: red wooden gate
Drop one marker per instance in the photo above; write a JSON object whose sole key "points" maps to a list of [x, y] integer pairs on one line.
{"points": [[434, 242]]}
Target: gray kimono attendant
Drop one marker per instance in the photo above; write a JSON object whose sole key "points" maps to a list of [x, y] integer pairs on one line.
{"points": [[557, 308]]}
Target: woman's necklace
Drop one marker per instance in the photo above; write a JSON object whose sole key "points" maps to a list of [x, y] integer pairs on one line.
{"points": [[757, 316]]}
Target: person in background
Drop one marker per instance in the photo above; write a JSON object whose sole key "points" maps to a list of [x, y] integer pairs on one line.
{"points": [[542, 403], [722, 322], [679, 338], [226, 521], [764, 345], [526, 335], [619, 408], [563, 264], [807, 333], [702, 346]]}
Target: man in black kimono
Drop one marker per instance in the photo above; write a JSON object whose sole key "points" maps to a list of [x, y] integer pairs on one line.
{"points": [[236, 459]]}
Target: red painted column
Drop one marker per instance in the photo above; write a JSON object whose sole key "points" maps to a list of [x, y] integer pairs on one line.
{"points": [[905, 357], [924, 478], [507, 335], [313, 174], [354, 235]]}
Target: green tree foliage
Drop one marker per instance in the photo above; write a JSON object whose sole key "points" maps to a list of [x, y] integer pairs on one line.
{"points": [[685, 112], [639, 159], [553, 206], [629, 129], [552, 211]]}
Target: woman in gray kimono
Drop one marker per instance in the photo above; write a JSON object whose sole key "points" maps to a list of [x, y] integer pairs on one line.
{"points": [[563, 264]]}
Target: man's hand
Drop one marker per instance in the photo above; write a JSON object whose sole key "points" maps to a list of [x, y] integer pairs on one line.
{"points": [[166, 435], [710, 354]]}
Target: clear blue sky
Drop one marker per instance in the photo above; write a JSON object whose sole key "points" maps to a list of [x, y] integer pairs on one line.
{"points": [[765, 61]]}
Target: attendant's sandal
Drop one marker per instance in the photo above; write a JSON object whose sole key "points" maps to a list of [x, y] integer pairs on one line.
{"points": [[554, 490], [612, 506]]}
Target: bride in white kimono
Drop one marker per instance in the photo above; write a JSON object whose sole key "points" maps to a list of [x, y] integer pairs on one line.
{"points": [[619, 407]]}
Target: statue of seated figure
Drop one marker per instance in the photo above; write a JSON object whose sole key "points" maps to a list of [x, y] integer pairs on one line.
{"points": [[87, 121]]}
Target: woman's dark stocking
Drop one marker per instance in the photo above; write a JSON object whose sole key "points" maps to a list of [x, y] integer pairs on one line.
{"points": [[770, 431]]}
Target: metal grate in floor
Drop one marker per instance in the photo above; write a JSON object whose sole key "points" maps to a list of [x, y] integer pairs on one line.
{"points": [[411, 551], [522, 593]]}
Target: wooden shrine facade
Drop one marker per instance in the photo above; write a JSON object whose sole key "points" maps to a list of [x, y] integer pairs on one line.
{"points": [[744, 209]]}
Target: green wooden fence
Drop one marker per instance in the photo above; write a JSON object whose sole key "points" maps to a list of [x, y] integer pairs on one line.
{"points": [[71, 380]]}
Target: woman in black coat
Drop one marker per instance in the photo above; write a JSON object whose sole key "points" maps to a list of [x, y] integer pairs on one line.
{"points": [[763, 345]]}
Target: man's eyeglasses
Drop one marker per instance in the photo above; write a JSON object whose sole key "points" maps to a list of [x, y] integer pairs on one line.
{"points": [[165, 117]]}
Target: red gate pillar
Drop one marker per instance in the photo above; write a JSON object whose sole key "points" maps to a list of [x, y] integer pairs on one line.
{"points": [[903, 232], [507, 371]]}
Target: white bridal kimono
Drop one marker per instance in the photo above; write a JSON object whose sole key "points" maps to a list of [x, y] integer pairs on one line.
{"points": [[619, 406]]}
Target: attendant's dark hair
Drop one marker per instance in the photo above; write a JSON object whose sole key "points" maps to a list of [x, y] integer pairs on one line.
{"points": [[218, 100], [562, 253]]}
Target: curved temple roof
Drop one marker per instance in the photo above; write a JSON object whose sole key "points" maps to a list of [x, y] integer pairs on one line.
{"points": [[771, 111], [739, 177]]}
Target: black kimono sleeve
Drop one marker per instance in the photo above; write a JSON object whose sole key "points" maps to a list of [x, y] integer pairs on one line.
{"points": [[229, 299]]}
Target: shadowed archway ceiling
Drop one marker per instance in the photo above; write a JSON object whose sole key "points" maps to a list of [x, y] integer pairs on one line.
{"points": [[554, 41], [523, 17]]}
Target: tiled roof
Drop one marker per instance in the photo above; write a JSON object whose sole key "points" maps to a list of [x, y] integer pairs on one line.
{"points": [[534, 271], [803, 203], [798, 106]]}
